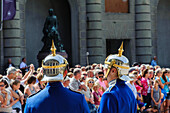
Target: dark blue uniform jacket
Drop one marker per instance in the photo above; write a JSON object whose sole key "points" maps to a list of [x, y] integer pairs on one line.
{"points": [[118, 99], [56, 99]]}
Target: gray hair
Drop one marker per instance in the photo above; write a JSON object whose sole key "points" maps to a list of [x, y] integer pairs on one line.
{"points": [[11, 70]]}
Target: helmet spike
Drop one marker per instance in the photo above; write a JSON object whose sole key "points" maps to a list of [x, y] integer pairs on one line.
{"points": [[53, 48], [120, 50]]}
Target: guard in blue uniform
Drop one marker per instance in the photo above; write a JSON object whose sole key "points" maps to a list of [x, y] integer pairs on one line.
{"points": [[118, 98], [55, 98]]}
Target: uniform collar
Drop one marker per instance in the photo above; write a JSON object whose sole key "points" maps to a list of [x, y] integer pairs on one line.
{"points": [[54, 84], [111, 85], [113, 82]]}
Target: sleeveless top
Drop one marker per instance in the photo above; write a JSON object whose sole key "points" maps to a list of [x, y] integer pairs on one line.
{"points": [[32, 91], [155, 96], [165, 86]]}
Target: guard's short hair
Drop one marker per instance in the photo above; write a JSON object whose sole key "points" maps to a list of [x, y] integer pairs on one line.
{"points": [[11, 70], [76, 71]]}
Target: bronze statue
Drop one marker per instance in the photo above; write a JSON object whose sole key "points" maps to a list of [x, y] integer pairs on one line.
{"points": [[50, 31]]}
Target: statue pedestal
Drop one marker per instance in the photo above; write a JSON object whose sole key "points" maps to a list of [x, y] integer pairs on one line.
{"points": [[42, 54]]}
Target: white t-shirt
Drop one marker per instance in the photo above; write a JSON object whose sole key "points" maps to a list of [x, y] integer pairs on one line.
{"points": [[23, 65]]}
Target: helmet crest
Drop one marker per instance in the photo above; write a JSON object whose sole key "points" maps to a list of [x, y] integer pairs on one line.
{"points": [[118, 61]]}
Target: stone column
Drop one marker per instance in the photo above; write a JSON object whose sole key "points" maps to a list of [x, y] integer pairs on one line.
{"points": [[12, 40], [82, 32], [94, 31], [143, 31], [22, 27]]}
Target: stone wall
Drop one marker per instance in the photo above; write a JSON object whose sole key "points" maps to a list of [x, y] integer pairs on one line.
{"points": [[120, 26]]}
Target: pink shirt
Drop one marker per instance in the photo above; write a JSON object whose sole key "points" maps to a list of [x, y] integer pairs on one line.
{"points": [[145, 86], [102, 84]]}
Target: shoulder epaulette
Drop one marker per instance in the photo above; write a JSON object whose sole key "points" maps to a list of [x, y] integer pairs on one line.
{"points": [[75, 91], [34, 94]]}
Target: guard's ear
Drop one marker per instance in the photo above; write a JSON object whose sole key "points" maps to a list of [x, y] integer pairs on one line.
{"points": [[114, 70]]}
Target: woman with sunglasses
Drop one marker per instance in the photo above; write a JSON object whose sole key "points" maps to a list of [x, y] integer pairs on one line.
{"points": [[89, 96]]}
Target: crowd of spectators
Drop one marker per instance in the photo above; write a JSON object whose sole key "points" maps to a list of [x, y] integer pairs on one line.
{"points": [[150, 85]]}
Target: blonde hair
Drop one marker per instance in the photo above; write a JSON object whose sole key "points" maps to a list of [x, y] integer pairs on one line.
{"points": [[39, 76], [19, 74], [87, 81]]}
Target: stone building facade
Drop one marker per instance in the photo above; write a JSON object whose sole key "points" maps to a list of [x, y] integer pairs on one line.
{"points": [[86, 26]]}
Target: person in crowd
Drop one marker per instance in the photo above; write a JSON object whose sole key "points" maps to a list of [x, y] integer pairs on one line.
{"points": [[142, 68], [9, 64], [158, 77], [88, 67], [82, 79], [118, 97], [140, 104], [95, 72], [102, 86], [8, 102], [165, 81], [131, 84], [145, 87], [150, 82], [96, 94], [23, 66], [83, 68], [11, 75], [153, 62], [89, 95], [90, 73], [78, 66], [85, 74], [66, 81], [41, 84], [156, 96], [94, 66], [30, 89], [17, 107], [55, 98], [75, 84], [70, 74]]}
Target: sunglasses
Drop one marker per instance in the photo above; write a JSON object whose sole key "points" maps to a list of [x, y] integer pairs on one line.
{"points": [[2, 85], [91, 82], [100, 76]]}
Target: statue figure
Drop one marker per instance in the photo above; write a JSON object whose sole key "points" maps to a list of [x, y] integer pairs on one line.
{"points": [[50, 32]]}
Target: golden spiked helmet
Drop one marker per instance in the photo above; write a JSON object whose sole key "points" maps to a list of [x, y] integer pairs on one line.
{"points": [[120, 62], [54, 66]]}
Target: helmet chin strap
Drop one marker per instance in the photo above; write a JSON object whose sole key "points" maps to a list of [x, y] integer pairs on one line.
{"points": [[110, 64]]}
